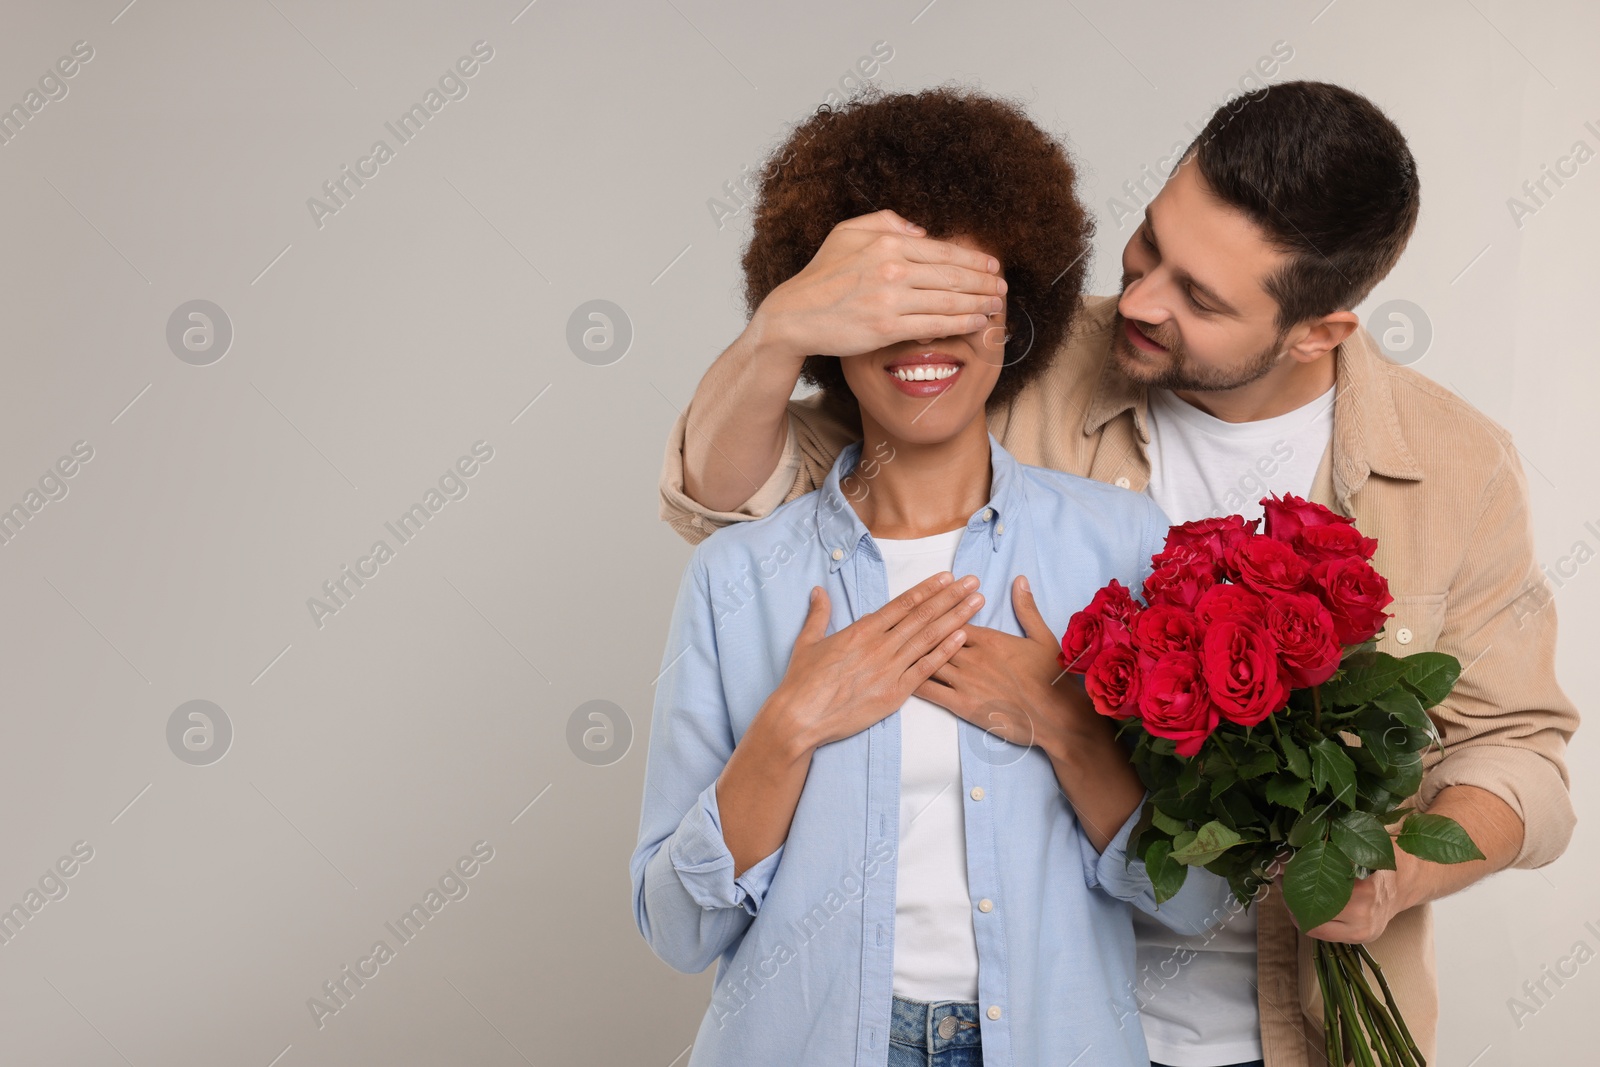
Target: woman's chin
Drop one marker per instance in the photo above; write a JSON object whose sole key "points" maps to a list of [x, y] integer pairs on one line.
{"points": [[926, 426]]}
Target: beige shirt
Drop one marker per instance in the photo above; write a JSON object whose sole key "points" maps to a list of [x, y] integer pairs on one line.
{"points": [[1441, 488]]}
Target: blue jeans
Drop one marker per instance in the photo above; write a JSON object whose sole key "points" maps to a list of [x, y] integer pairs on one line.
{"points": [[942, 1034]]}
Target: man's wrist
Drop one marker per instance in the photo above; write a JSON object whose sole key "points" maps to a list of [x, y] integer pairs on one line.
{"points": [[770, 345]]}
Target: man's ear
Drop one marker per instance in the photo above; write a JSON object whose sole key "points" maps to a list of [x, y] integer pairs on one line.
{"points": [[1324, 334]]}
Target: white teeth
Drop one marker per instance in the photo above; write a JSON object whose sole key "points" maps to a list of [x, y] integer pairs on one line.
{"points": [[924, 373]]}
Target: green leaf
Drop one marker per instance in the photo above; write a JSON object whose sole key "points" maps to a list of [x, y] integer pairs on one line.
{"points": [[1399, 723], [1309, 827], [1385, 748], [1165, 876], [1224, 781], [1287, 791], [1432, 674], [1388, 817], [1146, 814], [1295, 758], [1363, 677], [1317, 883], [1332, 769], [1209, 842], [1357, 650], [1364, 840], [1264, 761], [1194, 806], [1189, 777], [1404, 707], [1244, 886], [1406, 779], [1162, 821], [1235, 809], [1437, 838]]}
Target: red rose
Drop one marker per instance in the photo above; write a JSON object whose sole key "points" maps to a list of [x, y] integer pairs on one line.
{"points": [[1173, 702], [1308, 647], [1113, 682], [1268, 566], [1355, 595], [1228, 599], [1086, 638], [1317, 543], [1179, 577], [1163, 628], [1213, 538], [1287, 515], [1097, 627], [1240, 663]]}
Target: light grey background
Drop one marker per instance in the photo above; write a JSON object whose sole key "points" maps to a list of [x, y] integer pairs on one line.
{"points": [[431, 312]]}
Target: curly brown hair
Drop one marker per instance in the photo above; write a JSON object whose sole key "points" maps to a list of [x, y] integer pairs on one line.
{"points": [[954, 161]]}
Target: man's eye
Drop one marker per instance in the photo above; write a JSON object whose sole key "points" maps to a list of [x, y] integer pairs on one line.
{"points": [[1189, 294]]}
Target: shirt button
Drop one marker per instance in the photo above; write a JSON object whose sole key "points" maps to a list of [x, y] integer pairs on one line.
{"points": [[988, 513], [994, 1011], [985, 905], [1123, 483], [977, 792], [1403, 635], [999, 527], [838, 553]]}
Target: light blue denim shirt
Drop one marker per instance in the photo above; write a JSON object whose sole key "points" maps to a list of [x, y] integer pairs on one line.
{"points": [[804, 939]]}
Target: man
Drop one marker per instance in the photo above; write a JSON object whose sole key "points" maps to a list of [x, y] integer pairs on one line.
{"points": [[1231, 365]]}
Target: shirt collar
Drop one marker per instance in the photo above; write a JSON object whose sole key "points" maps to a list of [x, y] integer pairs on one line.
{"points": [[1114, 392], [1366, 426], [840, 530]]}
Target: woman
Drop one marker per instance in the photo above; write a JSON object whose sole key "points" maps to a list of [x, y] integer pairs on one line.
{"points": [[880, 880]]}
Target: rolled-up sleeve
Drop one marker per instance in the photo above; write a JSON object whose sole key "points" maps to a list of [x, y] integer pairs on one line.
{"points": [[1199, 905], [693, 521], [1506, 725], [699, 854], [817, 432], [687, 902]]}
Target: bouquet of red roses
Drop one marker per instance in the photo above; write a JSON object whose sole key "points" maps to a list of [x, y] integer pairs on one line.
{"points": [[1267, 725]]}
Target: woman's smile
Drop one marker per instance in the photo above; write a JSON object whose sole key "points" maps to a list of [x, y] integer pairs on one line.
{"points": [[924, 375]]}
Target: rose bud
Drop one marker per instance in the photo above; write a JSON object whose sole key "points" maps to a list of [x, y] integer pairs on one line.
{"points": [[1287, 515]]}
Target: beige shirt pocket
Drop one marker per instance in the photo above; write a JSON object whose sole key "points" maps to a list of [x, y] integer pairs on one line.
{"points": [[1415, 624]]}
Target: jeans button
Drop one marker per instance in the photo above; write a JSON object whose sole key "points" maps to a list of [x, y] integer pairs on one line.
{"points": [[947, 1027]]}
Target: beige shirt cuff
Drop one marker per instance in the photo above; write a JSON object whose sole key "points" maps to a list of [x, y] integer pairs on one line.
{"points": [[1528, 783], [693, 521]]}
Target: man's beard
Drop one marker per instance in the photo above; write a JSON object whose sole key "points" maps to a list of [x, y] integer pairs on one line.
{"points": [[1178, 373]]}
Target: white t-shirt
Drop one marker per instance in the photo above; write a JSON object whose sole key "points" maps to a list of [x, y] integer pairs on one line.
{"points": [[935, 948], [1202, 1011]]}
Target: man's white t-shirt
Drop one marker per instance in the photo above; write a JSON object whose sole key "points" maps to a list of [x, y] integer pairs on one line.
{"points": [[935, 946], [1202, 1011]]}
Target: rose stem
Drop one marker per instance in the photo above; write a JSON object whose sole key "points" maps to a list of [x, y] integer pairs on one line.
{"points": [[1394, 1009]]}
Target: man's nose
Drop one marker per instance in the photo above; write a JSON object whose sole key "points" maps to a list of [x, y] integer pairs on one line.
{"points": [[1139, 302]]}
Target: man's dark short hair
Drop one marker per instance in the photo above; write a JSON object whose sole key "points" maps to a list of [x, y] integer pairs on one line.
{"points": [[954, 161], [1327, 176]]}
